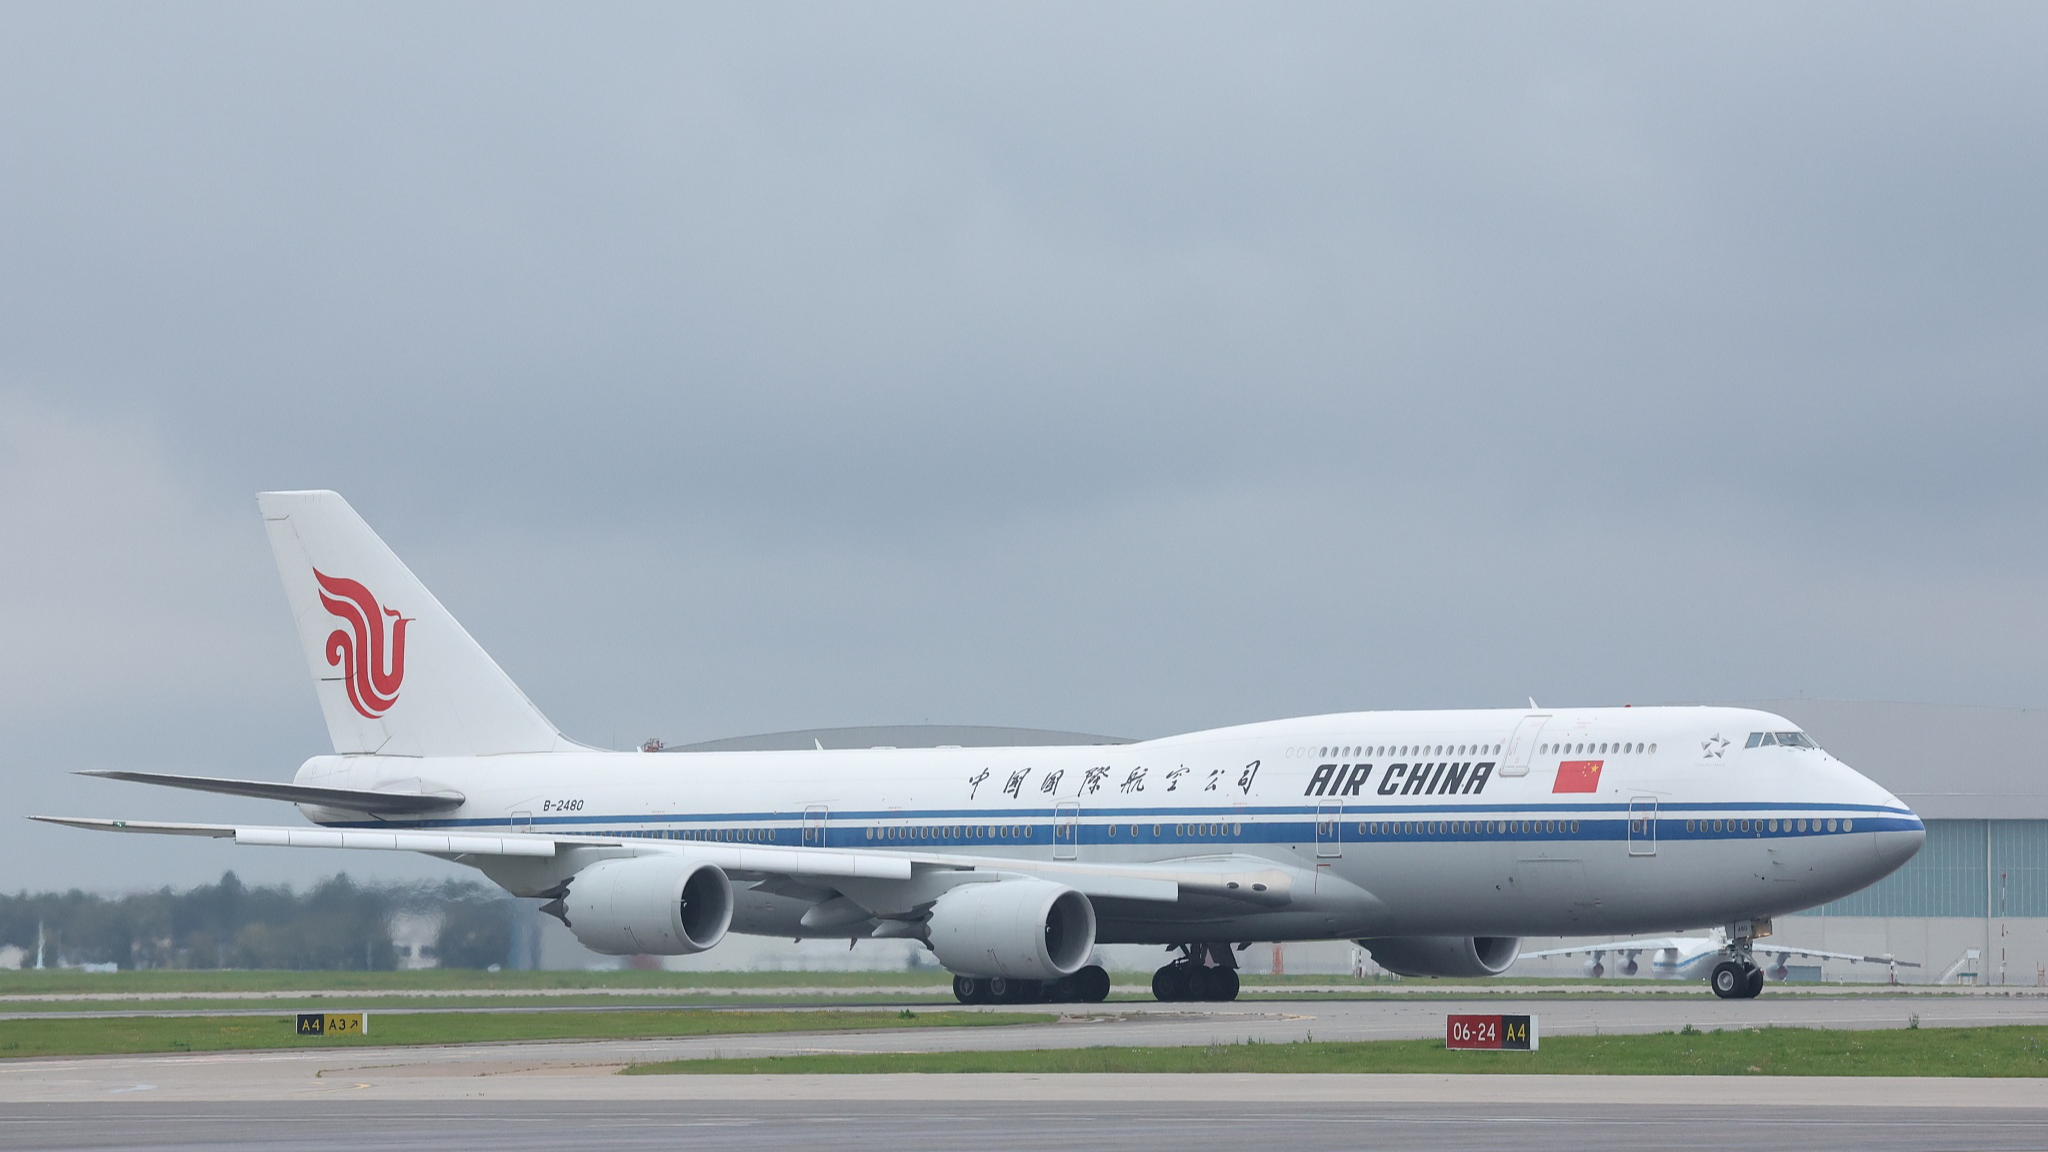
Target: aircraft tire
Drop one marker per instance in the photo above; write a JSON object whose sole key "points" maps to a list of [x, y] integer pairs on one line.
{"points": [[1091, 984], [1199, 983], [1227, 984], [1167, 984], [1729, 981], [968, 990], [1755, 985]]}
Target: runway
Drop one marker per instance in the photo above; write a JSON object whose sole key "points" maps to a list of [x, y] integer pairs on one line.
{"points": [[951, 1116], [535, 1095]]}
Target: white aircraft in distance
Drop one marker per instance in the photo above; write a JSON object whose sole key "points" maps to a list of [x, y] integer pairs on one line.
{"points": [[1685, 957], [1434, 839]]}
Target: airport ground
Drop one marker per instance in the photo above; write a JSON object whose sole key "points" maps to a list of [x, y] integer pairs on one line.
{"points": [[546, 1094]]}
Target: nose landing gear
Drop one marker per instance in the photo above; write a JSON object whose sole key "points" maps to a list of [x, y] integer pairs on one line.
{"points": [[1204, 972], [1739, 977]]}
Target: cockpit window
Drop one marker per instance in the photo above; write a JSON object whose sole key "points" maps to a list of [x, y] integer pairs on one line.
{"points": [[1780, 740]]}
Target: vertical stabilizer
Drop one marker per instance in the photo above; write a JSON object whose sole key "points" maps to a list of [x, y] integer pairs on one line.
{"points": [[395, 673]]}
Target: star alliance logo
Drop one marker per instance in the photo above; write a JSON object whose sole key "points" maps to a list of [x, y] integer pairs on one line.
{"points": [[1713, 746]]}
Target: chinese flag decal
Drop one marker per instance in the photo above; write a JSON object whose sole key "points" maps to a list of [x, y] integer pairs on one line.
{"points": [[1578, 776]]}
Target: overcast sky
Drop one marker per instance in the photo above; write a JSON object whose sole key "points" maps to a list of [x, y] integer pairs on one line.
{"points": [[1120, 368]]}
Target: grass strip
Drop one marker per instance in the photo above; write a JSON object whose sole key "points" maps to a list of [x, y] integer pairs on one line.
{"points": [[2020, 1050], [28, 981], [24, 1038]]}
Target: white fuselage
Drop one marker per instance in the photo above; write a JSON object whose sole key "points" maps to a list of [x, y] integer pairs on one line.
{"points": [[1500, 822]]}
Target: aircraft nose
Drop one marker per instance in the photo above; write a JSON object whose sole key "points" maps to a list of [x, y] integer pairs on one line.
{"points": [[1895, 846]]}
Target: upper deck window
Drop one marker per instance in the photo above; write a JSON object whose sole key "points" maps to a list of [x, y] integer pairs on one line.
{"points": [[1780, 740]]}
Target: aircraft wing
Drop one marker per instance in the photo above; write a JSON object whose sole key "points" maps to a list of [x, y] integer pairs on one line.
{"points": [[1651, 944], [1683, 944], [1852, 957], [1241, 879]]}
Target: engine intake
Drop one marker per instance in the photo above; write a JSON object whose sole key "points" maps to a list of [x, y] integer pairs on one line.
{"points": [[652, 905], [1022, 929], [1444, 955]]}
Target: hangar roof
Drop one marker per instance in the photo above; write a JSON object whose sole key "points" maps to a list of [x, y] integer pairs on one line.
{"points": [[1949, 761]]}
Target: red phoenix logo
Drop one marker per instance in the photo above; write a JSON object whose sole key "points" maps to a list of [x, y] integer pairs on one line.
{"points": [[371, 667]]}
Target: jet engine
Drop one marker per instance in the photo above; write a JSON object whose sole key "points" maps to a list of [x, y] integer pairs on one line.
{"points": [[651, 905], [1444, 955], [1021, 929]]}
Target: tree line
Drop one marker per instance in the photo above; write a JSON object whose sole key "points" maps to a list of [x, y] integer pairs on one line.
{"points": [[335, 924]]}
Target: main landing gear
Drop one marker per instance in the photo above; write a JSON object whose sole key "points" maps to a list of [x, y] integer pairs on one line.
{"points": [[1204, 972], [1088, 986], [1739, 977]]}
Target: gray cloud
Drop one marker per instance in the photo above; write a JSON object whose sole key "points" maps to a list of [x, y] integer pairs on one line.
{"points": [[1126, 370]]}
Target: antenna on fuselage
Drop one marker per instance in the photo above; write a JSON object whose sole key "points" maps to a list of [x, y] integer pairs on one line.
{"points": [[1534, 706]]}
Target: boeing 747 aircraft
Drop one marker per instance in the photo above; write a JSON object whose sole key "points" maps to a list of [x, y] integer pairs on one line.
{"points": [[1434, 839]]}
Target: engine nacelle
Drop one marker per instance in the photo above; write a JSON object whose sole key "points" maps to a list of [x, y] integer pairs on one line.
{"points": [[1021, 929], [1444, 955], [652, 905]]}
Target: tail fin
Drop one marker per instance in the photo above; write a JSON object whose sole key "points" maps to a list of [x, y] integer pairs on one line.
{"points": [[395, 673]]}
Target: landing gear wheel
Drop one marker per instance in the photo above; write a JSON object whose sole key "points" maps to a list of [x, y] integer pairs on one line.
{"points": [[1226, 984], [1200, 984], [968, 990], [1755, 985], [1027, 992], [1168, 985], [1729, 981], [1091, 984], [1061, 991]]}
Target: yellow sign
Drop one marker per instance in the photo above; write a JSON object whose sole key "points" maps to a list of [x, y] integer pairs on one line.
{"points": [[334, 1023]]}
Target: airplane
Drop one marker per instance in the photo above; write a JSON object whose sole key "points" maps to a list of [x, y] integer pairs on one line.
{"points": [[1681, 957], [1434, 839]]}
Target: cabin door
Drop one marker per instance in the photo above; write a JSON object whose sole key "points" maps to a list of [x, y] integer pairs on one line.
{"points": [[1642, 826], [1514, 760], [1330, 828], [1066, 829], [815, 816]]}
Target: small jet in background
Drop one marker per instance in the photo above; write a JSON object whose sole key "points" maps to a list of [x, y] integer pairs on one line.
{"points": [[1687, 957]]}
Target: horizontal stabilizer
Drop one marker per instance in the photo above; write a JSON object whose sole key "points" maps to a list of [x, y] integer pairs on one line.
{"points": [[352, 799]]}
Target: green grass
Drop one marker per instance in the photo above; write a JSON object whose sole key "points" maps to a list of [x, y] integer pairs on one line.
{"points": [[2010, 1051], [25, 982], [22, 1038], [340, 1000]]}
